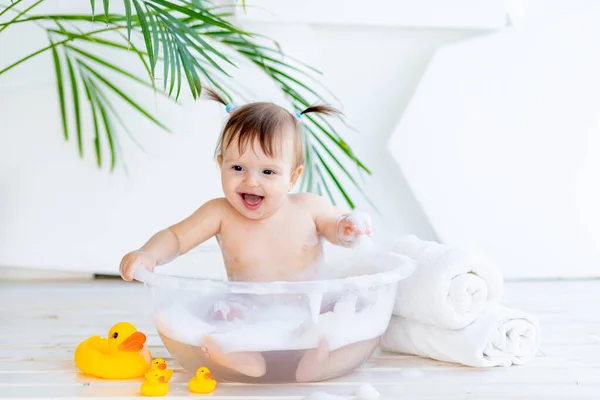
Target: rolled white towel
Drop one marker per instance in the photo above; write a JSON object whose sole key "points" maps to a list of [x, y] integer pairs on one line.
{"points": [[499, 337], [449, 286]]}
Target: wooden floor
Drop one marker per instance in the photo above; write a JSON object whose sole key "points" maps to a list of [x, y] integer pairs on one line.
{"points": [[40, 325]]}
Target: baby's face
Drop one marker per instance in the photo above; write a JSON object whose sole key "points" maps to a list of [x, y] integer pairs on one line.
{"points": [[255, 184]]}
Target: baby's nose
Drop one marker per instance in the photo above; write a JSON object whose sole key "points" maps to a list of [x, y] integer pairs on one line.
{"points": [[250, 180]]}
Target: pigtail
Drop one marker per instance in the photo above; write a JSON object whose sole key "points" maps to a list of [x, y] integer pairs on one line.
{"points": [[213, 95], [322, 109]]}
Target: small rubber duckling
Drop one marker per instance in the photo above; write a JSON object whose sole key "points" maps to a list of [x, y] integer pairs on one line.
{"points": [[154, 385], [122, 355], [202, 383], [160, 365]]}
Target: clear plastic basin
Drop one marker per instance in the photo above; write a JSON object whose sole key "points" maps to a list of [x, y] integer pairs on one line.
{"points": [[300, 331]]}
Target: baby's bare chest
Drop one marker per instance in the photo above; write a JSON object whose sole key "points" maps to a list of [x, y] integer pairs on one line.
{"points": [[280, 250]]}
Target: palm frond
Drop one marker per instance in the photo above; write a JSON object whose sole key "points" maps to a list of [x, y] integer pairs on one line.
{"points": [[128, 15], [191, 40], [19, 15], [92, 101], [106, 7], [9, 7], [143, 21], [122, 95], [52, 45], [61, 91], [76, 107], [109, 65]]}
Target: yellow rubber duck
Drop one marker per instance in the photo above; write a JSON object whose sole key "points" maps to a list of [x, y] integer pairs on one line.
{"points": [[154, 385], [203, 382], [122, 355], [159, 365]]}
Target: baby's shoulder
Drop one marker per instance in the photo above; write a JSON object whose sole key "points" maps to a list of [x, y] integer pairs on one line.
{"points": [[218, 205]]}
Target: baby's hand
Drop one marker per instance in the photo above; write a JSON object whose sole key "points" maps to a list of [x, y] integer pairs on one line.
{"points": [[351, 228], [136, 259]]}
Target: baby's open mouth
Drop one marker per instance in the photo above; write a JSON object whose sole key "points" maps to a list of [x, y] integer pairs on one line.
{"points": [[252, 201]]}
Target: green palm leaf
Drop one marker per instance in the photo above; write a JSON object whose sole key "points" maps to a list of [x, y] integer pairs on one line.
{"points": [[52, 45], [323, 185], [92, 102], [205, 17], [167, 66], [111, 66], [77, 110], [146, 32], [19, 15], [8, 8], [105, 121], [61, 91], [109, 134], [333, 178], [128, 16], [122, 95], [141, 55], [193, 41], [106, 7], [178, 29], [155, 43], [107, 104]]}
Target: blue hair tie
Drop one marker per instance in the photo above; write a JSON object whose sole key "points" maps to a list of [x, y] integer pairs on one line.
{"points": [[299, 116], [229, 108]]}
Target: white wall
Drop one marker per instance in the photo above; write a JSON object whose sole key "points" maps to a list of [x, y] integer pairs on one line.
{"points": [[510, 165], [58, 212]]}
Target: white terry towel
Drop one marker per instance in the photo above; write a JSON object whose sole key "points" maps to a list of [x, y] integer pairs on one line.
{"points": [[499, 337], [449, 286]]}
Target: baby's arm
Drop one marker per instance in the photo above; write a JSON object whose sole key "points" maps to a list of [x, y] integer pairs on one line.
{"points": [[175, 240], [339, 228]]}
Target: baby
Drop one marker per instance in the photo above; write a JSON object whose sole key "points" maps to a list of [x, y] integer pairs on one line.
{"points": [[265, 232]]}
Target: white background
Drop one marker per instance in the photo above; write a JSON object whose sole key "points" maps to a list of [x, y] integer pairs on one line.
{"points": [[58, 212]]}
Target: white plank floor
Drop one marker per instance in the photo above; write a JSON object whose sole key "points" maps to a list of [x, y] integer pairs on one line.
{"points": [[41, 323]]}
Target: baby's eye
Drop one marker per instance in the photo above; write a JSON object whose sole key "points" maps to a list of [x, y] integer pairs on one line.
{"points": [[269, 172], [238, 168]]}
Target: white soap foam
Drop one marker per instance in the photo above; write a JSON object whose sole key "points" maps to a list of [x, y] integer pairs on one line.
{"points": [[284, 326], [223, 308], [360, 311], [177, 323], [315, 300]]}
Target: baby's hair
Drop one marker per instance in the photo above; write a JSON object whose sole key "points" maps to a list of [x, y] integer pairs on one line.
{"points": [[266, 123], [322, 109]]}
